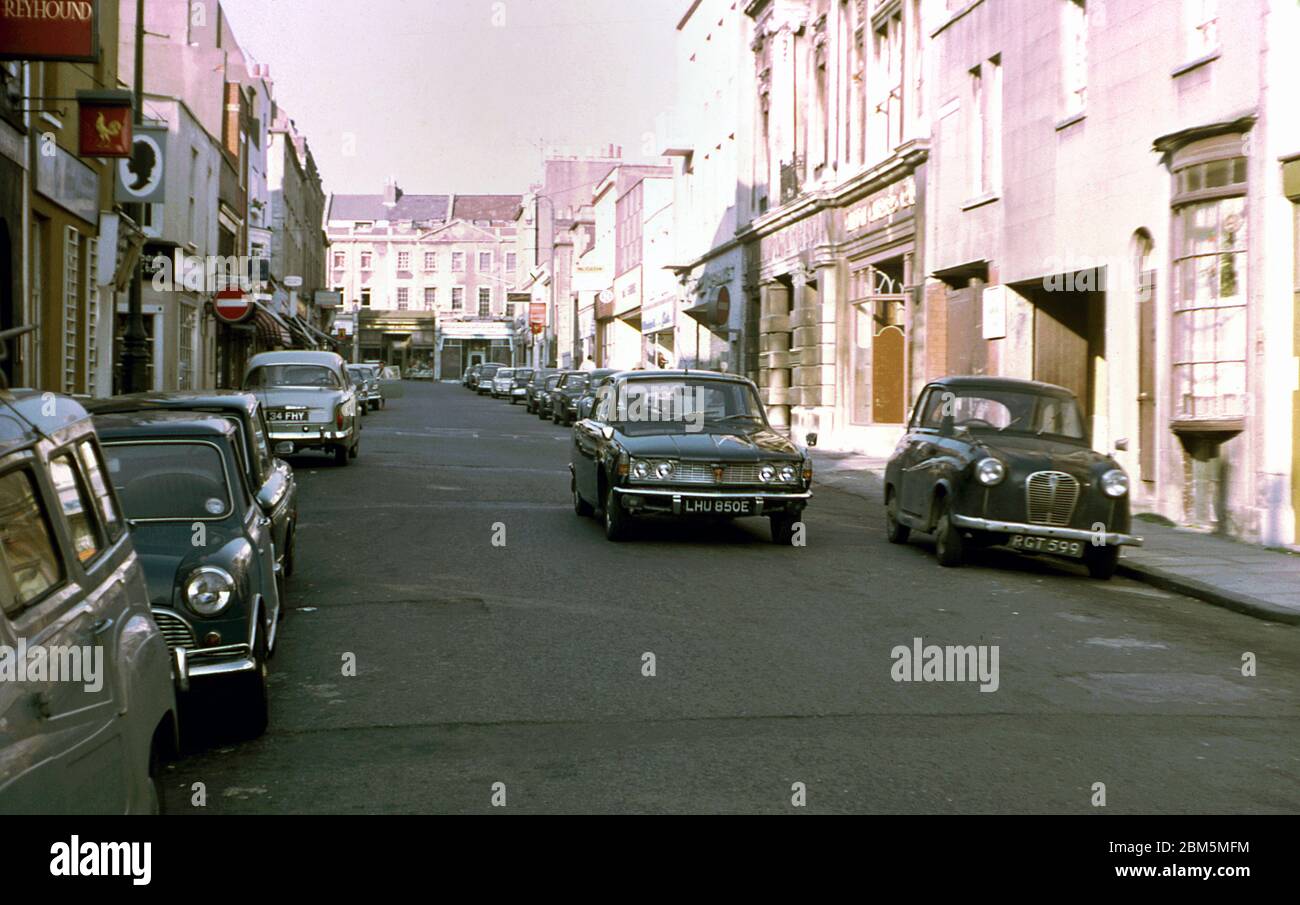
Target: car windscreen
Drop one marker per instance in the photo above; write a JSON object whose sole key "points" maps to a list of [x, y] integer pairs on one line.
{"points": [[553, 381], [169, 480], [574, 382], [523, 374], [505, 373], [995, 410], [291, 375], [676, 406]]}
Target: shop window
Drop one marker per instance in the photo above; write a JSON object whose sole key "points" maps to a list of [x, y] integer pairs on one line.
{"points": [[1209, 286]]}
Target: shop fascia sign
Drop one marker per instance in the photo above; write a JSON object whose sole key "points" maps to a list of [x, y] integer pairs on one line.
{"points": [[660, 314], [899, 196], [50, 30]]}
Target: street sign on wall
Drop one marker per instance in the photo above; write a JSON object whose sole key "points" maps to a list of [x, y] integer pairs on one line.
{"points": [[232, 306], [52, 30], [140, 176]]}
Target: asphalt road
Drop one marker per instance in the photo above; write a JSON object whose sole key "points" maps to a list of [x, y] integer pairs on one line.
{"points": [[522, 664]]}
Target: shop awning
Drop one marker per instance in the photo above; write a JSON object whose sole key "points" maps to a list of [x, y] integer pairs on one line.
{"points": [[272, 332]]}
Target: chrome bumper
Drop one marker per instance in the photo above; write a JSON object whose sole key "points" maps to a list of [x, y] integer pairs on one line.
{"points": [[1109, 538], [312, 434], [211, 662], [760, 497]]}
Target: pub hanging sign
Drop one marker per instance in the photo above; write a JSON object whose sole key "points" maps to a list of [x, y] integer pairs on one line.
{"points": [[105, 121], [50, 30]]}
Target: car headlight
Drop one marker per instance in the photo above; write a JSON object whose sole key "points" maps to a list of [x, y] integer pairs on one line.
{"points": [[1114, 483], [990, 471], [209, 590], [766, 474], [640, 469], [788, 474], [664, 470]]}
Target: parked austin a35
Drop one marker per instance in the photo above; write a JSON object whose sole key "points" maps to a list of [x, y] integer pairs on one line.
{"points": [[310, 401], [997, 461], [684, 444]]}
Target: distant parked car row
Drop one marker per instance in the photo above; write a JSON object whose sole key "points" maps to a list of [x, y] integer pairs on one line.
{"points": [[984, 461], [160, 528]]}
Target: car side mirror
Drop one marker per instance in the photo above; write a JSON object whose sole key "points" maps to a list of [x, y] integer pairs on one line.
{"points": [[585, 407], [1121, 445], [811, 439], [284, 449]]}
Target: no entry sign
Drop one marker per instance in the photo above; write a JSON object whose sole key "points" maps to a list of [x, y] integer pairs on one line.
{"points": [[232, 306]]}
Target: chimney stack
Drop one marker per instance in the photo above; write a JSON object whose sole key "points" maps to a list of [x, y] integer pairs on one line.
{"points": [[391, 192]]}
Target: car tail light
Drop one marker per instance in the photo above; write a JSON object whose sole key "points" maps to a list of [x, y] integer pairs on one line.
{"points": [[338, 417]]}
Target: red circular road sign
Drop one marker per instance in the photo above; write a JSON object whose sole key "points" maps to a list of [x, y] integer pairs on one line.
{"points": [[232, 306]]}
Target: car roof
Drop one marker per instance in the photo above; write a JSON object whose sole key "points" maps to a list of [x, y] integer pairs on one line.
{"points": [[23, 419], [150, 424], [680, 374], [226, 400], [297, 357], [976, 381]]}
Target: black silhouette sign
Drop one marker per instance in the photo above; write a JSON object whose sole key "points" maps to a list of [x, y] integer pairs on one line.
{"points": [[140, 177]]}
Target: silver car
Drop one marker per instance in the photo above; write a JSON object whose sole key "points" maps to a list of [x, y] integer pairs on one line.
{"points": [[87, 732], [502, 383], [310, 402], [369, 395]]}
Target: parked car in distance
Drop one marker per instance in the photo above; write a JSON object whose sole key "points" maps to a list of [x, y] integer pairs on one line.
{"points": [[366, 380], [547, 392], [685, 444], [535, 386], [70, 578], [571, 389], [309, 401], [503, 382], [519, 386], [205, 544], [390, 385], [277, 488], [1001, 462], [470, 380], [486, 375]]}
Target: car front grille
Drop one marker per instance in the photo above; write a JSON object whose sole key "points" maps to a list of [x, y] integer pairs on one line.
{"points": [[174, 629], [1051, 497], [700, 473]]}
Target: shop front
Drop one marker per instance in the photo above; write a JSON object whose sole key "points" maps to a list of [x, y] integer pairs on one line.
{"points": [[658, 329], [462, 344]]}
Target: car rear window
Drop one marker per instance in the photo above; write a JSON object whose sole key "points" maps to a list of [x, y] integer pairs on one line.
{"points": [[292, 376], [30, 564], [75, 501], [169, 480]]}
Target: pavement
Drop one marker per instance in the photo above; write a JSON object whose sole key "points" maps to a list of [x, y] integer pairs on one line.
{"points": [[509, 659], [1245, 578]]}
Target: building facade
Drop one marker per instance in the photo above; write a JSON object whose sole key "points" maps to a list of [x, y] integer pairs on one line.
{"points": [[1116, 220], [425, 278]]}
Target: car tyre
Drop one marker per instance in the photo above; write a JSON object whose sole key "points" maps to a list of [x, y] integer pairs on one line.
{"points": [[949, 545], [581, 506], [341, 456], [1101, 562], [255, 712], [783, 526], [617, 521], [355, 450], [895, 531]]}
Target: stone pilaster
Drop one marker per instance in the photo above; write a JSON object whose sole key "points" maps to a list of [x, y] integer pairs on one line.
{"points": [[774, 352]]}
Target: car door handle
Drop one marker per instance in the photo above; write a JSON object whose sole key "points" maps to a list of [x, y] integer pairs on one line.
{"points": [[100, 627], [263, 521], [43, 701]]}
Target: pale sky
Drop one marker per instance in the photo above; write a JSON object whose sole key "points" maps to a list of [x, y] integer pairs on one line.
{"points": [[459, 95]]}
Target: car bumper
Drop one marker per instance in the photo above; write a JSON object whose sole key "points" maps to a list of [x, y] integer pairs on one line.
{"points": [[519, 393], [992, 526], [310, 437], [670, 501], [203, 663]]}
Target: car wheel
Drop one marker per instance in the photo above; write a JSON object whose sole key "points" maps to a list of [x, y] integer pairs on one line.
{"points": [[581, 506], [255, 711], [783, 529], [288, 553], [896, 532], [341, 456], [616, 519], [948, 542], [157, 801], [1101, 562], [355, 450]]}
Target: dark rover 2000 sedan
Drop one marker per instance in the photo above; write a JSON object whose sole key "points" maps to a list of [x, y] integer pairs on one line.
{"points": [[996, 461], [687, 445]]}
